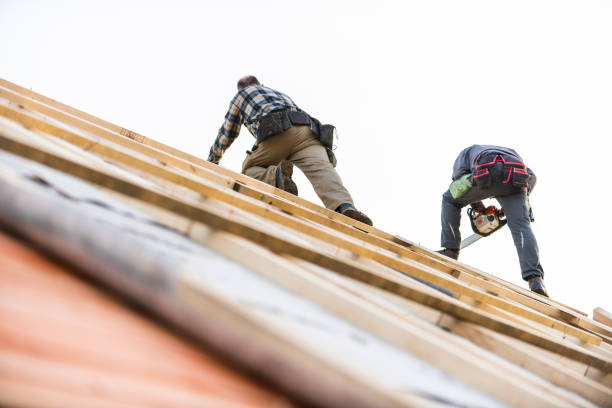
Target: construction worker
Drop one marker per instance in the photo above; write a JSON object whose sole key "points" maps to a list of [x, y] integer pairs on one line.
{"points": [[484, 171], [285, 135]]}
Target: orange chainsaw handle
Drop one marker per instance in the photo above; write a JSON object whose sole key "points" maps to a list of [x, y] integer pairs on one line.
{"points": [[492, 210], [479, 209]]}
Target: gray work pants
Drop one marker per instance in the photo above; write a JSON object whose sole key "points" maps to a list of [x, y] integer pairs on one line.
{"points": [[299, 145], [512, 200]]}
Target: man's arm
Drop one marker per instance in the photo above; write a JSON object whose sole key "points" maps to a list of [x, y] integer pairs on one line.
{"points": [[228, 133]]}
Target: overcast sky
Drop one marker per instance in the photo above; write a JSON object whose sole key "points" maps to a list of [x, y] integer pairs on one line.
{"points": [[407, 83]]}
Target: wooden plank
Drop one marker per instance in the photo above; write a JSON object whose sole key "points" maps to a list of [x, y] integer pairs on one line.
{"points": [[98, 130], [526, 297], [564, 370], [538, 305], [100, 242], [424, 340], [602, 316], [186, 179], [17, 143], [194, 291], [564, 365], [484, 275], [258, 185], [536, 362], [569, 370]]}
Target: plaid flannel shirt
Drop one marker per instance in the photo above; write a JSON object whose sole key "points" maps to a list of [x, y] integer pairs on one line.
{"points": [[248, 106]]}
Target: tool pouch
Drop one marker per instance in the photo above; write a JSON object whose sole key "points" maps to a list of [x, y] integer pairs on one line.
{"points": [[278, 121], [272, 124], [326, 135], [517, 176], [298, 118], [482, 178], [488, 170]]}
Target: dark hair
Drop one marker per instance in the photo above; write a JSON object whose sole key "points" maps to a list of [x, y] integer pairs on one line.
{"points": [[246, 81]]}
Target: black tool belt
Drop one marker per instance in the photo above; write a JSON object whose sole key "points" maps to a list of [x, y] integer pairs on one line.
{"points": [[278, 121], [496, 168]]}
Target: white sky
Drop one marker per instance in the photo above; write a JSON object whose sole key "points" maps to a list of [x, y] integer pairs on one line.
{"points": [[407, 83]]}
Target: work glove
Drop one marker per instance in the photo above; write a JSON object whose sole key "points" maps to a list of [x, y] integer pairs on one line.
{"points": [[460, 186]]}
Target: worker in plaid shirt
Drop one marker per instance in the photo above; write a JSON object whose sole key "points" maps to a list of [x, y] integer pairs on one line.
{"points": [[285, 135]]}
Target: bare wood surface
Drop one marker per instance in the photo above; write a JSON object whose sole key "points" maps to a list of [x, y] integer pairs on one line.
{"points": [[103, 247], [467, 276], [186, 179], [536, 362], [602, 316], [426, 341], [218, 220], [415, 250]]}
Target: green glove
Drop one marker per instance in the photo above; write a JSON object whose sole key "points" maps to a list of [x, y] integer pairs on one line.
{"points": [[460, 186]]}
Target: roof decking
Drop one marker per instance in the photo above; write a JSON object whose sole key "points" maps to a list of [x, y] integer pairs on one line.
{"points": [[332, 304]]}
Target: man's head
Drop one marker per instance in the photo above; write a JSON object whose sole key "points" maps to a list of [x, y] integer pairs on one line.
{"points": [[246, 81]]}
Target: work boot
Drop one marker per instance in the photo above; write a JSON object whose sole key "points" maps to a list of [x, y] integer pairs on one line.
{"points": [[451, 253], [537, 285], [351, 212], [284, 171]]}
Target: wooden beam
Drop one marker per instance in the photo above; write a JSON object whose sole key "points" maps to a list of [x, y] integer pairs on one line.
{"points": [[247, 185], [22, 144], [100, 244], [165, 172], [419, 254], [194, 291], [405, 331], [535, 361], [558, 370], [258, 186], [602, 316]]}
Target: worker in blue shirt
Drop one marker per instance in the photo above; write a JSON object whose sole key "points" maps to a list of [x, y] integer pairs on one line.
{"points": [[485, 171]]}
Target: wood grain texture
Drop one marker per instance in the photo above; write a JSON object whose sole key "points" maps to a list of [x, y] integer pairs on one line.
{"points": [[602, 316], [204, 186], [190, 192], [24, 144], [287, 202], [404, 330]]}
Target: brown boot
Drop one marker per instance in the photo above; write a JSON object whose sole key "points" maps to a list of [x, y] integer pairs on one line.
{"points": [[284, 171], [351, 212]]}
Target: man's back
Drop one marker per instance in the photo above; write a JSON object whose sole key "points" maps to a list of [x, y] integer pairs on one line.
{"points": [[256, 101], [247, 107], [468, 157]]}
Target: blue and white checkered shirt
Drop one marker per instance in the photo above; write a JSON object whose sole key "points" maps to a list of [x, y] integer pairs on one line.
{"points": [[248, 107]]}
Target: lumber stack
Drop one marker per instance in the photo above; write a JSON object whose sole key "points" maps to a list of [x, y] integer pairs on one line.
{"points": [[234, 259]]}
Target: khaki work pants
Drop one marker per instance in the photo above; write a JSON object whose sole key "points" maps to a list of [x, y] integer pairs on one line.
{"points": [[298, 145]]}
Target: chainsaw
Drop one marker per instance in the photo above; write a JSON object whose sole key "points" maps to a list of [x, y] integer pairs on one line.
{"points": [[484, 221]]}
